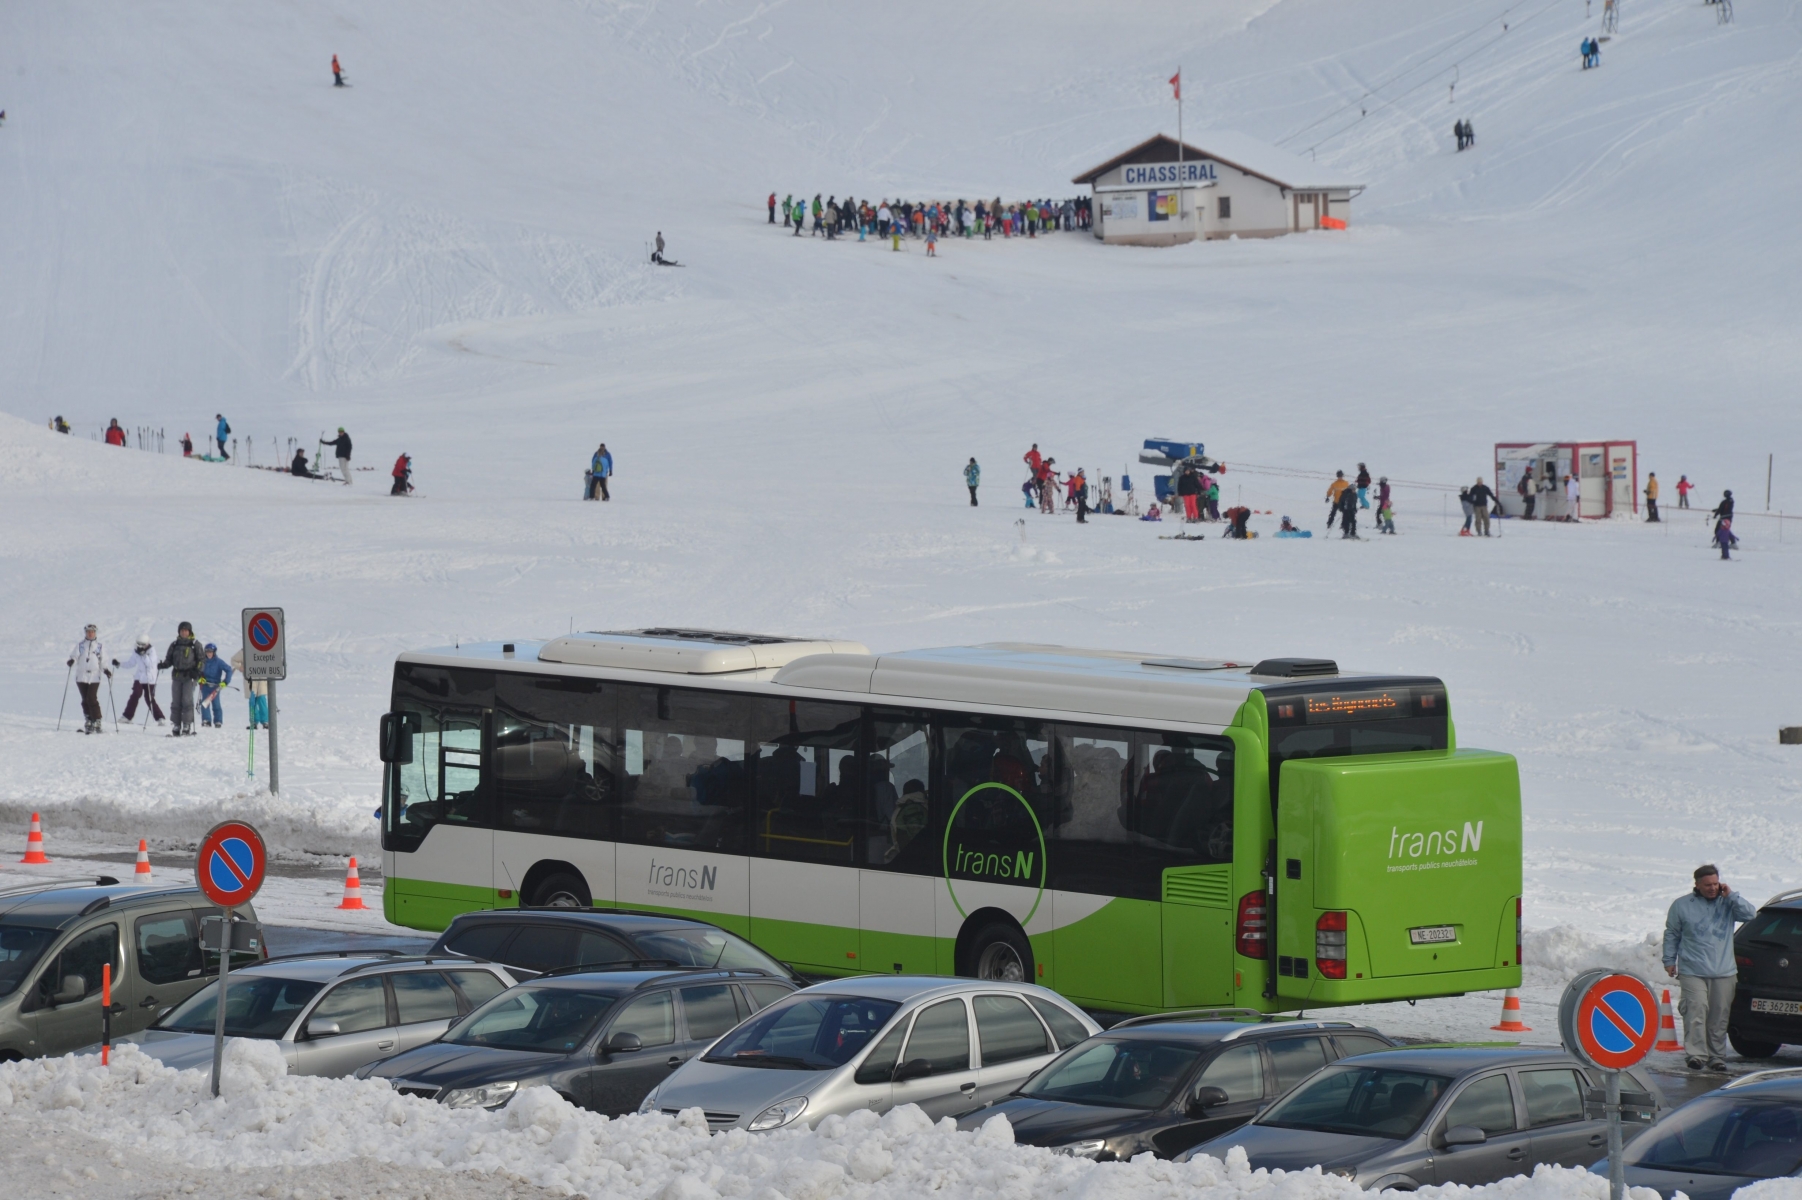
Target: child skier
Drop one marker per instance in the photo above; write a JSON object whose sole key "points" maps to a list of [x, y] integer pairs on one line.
{"points": [[215, 673], [143, 681]]}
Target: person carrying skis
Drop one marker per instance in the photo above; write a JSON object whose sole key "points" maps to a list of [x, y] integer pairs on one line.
{"points": [[1651, 496], [341, 446], [1333, 491], [972, 477], [89, 660], [215, 674], [221, 431], [337, 73], [1363, 486], [115, 436], [143, 681], [1347, 504], [1480, 500], [183, 661], [1684, 488], [403, 472], [258, 690]]}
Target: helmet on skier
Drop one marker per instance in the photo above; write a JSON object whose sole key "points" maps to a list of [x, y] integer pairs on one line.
{"points": [[211, 648], [143, 643]]}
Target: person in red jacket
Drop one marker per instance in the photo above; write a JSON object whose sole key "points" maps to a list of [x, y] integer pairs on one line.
{"points": [[114, 435], [337, 73], [403, 469], [772, 208]]}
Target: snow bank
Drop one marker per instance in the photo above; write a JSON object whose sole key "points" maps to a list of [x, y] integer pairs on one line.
{"points": [[269, 1119]]}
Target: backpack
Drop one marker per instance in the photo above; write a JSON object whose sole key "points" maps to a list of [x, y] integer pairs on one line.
{"points": [[185, 656]]}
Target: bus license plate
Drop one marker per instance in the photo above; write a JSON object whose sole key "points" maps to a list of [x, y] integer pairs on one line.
{"points": [[1428, 935], [1790, 1008]]}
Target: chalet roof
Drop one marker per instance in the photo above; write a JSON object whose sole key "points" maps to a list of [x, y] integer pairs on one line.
{"points": [[1234, 150]]}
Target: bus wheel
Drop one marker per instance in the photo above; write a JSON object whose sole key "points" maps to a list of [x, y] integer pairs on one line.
{"points": [[561, 891], [1000, 952]]}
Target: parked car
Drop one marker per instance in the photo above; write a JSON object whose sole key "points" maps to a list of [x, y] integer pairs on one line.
{"points": [[1748, 1130], [602, 1039], [533, 941], [875, 1042], [1408, 1118], [1767, 1009], [55, 936], [329, 1013], [1162, 1084]]}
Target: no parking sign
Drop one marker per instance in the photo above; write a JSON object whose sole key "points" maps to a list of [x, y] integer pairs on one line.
{"points": [[265, 644], [1608, 1019]]}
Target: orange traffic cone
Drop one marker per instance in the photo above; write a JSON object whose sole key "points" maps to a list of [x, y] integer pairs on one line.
{"points": [[1667, 1025], [34, 843], [353, 887], [1511, 1022], [141, 873]]}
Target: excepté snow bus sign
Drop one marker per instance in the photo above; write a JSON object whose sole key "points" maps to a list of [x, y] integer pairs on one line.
{"points": [[265, 644]]}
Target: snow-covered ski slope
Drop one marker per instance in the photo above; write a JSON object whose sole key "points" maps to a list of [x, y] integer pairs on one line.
{"points": [[448, 259]]}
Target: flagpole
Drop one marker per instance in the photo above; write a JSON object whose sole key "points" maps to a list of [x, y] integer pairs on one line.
{"points": [[1180, 181]]}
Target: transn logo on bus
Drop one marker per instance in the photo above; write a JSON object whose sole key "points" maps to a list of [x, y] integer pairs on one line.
{"points": [[1427, 843], [977, 865], [688, 879]]}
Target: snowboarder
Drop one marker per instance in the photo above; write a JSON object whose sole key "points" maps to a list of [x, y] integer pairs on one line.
{"points": [[183, 661], [1480, 499], [1347, 504], [221, 431], [341, 446], [258, 697], [1333, 491], [215, 673], [403, 472], [1363, 486], [972, 477], [600, 470], [337, 73], [143, 681], [1651, 496], [89, 660], [1684, 488]]}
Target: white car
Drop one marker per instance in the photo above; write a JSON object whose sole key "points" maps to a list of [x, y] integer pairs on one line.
{"points": [[874, 1042]]}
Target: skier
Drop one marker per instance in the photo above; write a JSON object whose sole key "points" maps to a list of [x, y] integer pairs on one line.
{"points": [[1469, 511], [1651, 496], [89, 660], [972, 477], [1032, 458], [143, 681], [1363, 486], [1048, 486], [932, 241], [1079, 486], [341, 445], [1382, 493], [1333, 491], [299, 466], [1188, 490], [772, 208], [183, 661], [1212, 493], [403, 471], [657, 254], [1480, 500], [115, 436], [1723, 536], [258, 697], [1458, 133], [187, 446], [1724, 510], [1347, 504], [216, 673], [220, 432], [1385, 515], [600, 470], [1684, 488], [337, 73]]}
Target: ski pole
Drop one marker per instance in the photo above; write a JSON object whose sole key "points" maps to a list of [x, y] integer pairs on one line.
{"points": [[112, 703], [65, 703]]}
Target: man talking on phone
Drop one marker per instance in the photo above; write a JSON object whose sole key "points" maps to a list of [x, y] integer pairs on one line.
{"points": [[1698, 954]]}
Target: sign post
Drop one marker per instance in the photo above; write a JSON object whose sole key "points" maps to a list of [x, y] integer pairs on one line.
{"points": [[266, 660], [229, 869], [1609, 1020]]}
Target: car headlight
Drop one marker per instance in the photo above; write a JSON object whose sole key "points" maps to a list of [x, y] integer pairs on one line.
{"points": [[1093, 1148], [491, 1095], [1341, 1172], [648, 1104], [778, 1114]]}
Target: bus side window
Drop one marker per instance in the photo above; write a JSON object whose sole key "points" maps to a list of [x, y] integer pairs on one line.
{"points": [[684, 775], [553, 761], [809, 780], [1182, 796], [1094, 849], [443, 782], [900, 778]]}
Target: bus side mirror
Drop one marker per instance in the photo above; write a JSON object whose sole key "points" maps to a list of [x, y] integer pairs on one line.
{"points": [[396, 736]]}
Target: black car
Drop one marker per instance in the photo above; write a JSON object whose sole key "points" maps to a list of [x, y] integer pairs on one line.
{"points": [[533, 941], [601, 1038], [1767, 1009], [1166, 1083], [1748, 1130]]}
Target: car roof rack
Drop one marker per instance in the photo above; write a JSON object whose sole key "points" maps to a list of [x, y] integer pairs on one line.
{"points": [[1780, 897], [1194, 1014], [1762, 1077], [624, 964], [393, 957], [1289, 1027], [275, 958]]}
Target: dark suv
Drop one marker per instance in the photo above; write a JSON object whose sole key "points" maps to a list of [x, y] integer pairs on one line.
{"points": [[1767, 1010], [533, 941], [1162, 1084]]}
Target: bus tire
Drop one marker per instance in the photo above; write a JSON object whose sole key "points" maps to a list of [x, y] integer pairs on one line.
{"points": [[1000, 952], [561, 890]]}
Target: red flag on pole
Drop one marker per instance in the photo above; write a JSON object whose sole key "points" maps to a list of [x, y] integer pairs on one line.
{"points": [[1176, 81]]}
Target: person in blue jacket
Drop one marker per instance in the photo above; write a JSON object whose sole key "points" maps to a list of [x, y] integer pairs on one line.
{"points": [[600, 470], [1698, 954], [972, 478], [215, 673], [221, 431]]}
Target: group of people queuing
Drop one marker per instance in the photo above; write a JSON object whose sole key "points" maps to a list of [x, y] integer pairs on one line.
{"points": [[192, 666], [929, 220], [1345, 498]]}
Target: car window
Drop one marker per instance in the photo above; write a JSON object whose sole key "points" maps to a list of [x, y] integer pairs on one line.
{"points": [[1756, 1136], [1552, 1097], [709, 1010], [260, 1006], [20, 948], [1359, 1043], [1368, 1101], [483, 939], [478, 987], [1780, 925], [1239, 1072], [1115, 1074], [84, 956], [879, 1067], [1294, 1059], [547, 947], [168, 948], [700, 946], [652, 1018], [423, 996], [765, 994], [356, 1004], [1065, 1027], [810, 1033], [544, 1020], [941, 1036], [1006, 1030], [1487, 1104]]}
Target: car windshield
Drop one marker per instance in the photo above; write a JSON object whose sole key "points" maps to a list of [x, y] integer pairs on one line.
{"points": [[544, 1020], [20, 948], [805, 1033], [701, 947], [1369, 1101], [1125, 1074], [256, 1006], [1758, 1137]]}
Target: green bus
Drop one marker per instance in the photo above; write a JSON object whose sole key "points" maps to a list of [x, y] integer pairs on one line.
{"points": [[1141, 833]]}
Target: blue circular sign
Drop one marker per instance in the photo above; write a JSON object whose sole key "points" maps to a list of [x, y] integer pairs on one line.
{"points": [[229, 867]]}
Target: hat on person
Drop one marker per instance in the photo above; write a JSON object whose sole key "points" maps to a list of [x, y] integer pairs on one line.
{"points": [[211, 646], [185, 627], [1705, 870], [92, 626]]}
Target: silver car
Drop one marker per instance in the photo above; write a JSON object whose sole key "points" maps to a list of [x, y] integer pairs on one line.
{"points": [[329, 1013], [874, 1042]]}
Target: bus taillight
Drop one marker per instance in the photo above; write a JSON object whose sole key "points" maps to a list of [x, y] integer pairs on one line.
{"points": [[1251, 936], [1517, 942], [1329, 945]]}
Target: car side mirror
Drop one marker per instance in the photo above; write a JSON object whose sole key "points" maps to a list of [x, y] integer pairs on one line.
{"points": [[1204, 1099], [913, 1068], [74, 987], [1465, 1135], [319, 1027], [624, 1043]]}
